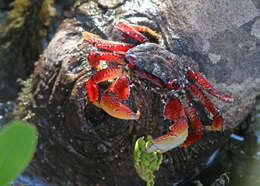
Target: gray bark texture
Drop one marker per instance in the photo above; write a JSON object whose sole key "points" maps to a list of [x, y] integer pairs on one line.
{"points": [[79, 144]]}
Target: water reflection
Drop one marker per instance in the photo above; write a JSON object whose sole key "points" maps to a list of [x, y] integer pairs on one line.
{"points": [[246, 159]]}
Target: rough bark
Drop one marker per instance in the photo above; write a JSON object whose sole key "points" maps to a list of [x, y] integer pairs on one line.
{"points": [[80, 144]]}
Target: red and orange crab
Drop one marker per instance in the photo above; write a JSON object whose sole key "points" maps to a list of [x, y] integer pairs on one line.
{"points": [[163, 70]]}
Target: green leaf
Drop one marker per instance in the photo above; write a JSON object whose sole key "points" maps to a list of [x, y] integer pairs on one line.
{"points": [[17, 145]]}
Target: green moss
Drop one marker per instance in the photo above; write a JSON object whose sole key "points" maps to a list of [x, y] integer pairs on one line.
{"points": [[23, 10], [22, 110], [14, 21], [15, 18], [23, 30], [47, 11], [79, 2]]}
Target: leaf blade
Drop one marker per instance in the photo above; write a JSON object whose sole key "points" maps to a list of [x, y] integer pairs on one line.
{"points": [[17, 145]]}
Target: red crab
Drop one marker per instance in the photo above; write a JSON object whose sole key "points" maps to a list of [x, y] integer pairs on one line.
{"points": [[163, 70]]}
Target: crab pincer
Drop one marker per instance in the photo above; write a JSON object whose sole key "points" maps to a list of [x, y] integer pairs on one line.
{"points": [[100, 76], [174, 110], [112, 105], [110, 100]]}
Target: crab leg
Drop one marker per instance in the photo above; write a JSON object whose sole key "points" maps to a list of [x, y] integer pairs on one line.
{"points": [[174, 110], [146, 29], [191, 113], [134, 31], [197, 77], [217, 118], [103, 75], [131, 31], [92, 89], [95, 56], [108, 74], [105, 44]]}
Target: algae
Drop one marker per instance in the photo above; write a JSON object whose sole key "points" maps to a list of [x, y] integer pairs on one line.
{"points": [[23, 31], [23, 108], [146, 163]]}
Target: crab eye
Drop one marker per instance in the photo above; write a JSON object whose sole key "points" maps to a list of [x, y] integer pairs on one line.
{"points": [[176, 85]]}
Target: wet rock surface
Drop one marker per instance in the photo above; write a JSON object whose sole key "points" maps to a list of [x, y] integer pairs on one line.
{"points": [[80, 144]]}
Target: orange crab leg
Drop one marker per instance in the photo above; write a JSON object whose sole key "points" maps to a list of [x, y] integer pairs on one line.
{"points": [[172, 139], [92, 89], [217, 118], [197, 77], [131, 31], [95, 56], [111, 105], [105, 44], [191, 113], [146, 29]]}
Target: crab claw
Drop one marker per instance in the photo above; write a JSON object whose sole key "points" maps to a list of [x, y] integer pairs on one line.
{"points": [[174, 110], [178, 134], [100, 76], [110, 101], [120, 87], [111, 105]]}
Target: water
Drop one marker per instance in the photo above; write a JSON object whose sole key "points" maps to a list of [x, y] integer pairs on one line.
{"points": [[245, 155]]}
